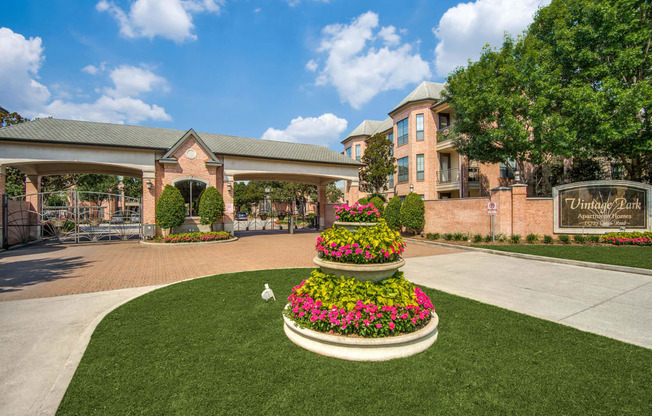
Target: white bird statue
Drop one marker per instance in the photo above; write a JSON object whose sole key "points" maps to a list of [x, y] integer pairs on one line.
{"points": [[267, 293]]}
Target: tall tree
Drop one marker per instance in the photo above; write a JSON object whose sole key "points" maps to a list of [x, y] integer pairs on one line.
{"points": [[15, 179], [333, 193], [597, 56], [379, 164]]}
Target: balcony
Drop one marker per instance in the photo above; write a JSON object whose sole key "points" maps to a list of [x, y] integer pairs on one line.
{"points": [[448, 179], [444, 138]]}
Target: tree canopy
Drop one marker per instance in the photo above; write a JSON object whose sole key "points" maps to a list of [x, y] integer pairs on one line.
{"points": [[379, 164]]}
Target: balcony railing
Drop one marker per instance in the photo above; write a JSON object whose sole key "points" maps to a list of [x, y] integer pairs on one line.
{"points": [[448, 176], [474, 175]]}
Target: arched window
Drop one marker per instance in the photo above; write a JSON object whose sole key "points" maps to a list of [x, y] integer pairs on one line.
{"points": [[191, 190]]}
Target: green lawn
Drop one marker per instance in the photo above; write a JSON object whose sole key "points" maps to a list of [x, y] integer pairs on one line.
{"points": [[212, 346], [632, 256]]}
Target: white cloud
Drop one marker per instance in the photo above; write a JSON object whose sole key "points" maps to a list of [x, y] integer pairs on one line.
{"points": [[21, 60], [311, 65], [358, 69], [171, 19], [293, 3], [20, 91], [320, 130], [464, 29], [133, 81], [93, 69], [258, 10]]}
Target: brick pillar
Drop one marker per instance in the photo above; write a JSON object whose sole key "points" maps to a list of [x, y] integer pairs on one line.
{"points": [[227, 185], [32, 190], [149, 198], [321, 191], [519, 220], [503, 219], [353, 193]]}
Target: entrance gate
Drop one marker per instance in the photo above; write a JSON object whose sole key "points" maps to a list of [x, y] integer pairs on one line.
{"points": [[70, 217], [274, 215]]}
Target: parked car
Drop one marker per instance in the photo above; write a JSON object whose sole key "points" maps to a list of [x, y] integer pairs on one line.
{"points": [[241, 216]]}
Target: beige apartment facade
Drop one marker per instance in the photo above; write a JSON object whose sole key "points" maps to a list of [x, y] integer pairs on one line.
{"points": [[427, 161]]}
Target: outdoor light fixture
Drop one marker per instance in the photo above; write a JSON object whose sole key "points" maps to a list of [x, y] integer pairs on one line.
{"points": [[149, 184], [411, 188], [267, 293], [517, 176], [228, 186]]}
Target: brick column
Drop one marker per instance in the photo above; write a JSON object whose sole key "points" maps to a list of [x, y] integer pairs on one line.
{"points": [[149, 198], [321, 191], [227, 185], [32, 190], [353, 193], [519, 220], [503, 219]]}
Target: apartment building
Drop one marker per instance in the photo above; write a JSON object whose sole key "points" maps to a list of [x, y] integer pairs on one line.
{"points": [[427, 161]]}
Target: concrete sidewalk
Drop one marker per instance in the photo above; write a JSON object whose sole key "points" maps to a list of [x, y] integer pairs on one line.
{"points": [[42, 342], [614, 304]]}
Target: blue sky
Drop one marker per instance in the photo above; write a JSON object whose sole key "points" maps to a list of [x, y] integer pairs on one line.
{"points": [[298, 70]]}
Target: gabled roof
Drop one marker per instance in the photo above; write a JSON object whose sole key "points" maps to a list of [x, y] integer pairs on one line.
{"points": [[87, 133], [169, 156], [425, 91], [384, 125]]}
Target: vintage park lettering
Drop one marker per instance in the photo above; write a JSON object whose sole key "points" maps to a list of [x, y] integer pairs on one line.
{"points": [[617, 204]]}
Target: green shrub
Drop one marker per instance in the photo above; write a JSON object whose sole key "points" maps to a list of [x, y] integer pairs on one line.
{"points": [[579, 239], [547, 239], [197, 237], [459, 236], [515, 238], [532, 238], [564, 239], [487, 238], [448, 236], [393, 213], [211, 206], [363, 201], [632, 234], [477, 238], [433, 236], [170, 208], [378, 204], [377, 195], [593, 238], [413, 212], [501, 237]]}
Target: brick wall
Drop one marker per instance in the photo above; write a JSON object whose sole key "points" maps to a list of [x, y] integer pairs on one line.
{"points": [[468, 215], [517, 214]]}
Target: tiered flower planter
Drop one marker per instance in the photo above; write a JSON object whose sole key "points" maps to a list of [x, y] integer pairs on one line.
{"points": [[354, 347]]}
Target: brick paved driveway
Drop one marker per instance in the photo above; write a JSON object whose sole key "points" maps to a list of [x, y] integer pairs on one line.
{"points": [[55, 270]]}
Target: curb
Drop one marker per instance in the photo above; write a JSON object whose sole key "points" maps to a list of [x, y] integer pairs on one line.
{"points": [[230, 240], [601, 266]]}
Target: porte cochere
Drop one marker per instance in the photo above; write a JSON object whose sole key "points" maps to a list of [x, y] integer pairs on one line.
{"points": [[160, 157]]}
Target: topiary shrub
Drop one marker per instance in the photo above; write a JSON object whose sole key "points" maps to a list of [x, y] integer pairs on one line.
{"points": [[363, 201], [377, 195], [379, 204], [170, 208], [413, 212], [393, 213], [211, 206]]}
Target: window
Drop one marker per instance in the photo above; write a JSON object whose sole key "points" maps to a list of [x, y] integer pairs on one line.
{"points": [[390, 136], [391, 180], [423, 197], [420, 167], [444, 120], [403, 170], [419, 126], [190, 191], [505, 172], [348, 152], [357, 152], [402, 127]]}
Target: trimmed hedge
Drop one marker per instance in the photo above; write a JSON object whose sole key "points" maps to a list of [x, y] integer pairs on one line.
{"points": [[211, 206], [170, 208], [393, 213], [413, 212], [378, 204]]}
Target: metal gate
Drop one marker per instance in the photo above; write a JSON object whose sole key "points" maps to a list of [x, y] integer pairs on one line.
{"points": [[70, 217], [273, 215]]}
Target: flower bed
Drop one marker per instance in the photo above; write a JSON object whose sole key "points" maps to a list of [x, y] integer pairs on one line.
{"points": [[330, 304], [627, 241], [357, 213], [377, 244], [197, 237]]}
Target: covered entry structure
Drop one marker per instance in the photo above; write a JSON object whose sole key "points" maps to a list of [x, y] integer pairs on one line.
{"points": [[186, 159]]}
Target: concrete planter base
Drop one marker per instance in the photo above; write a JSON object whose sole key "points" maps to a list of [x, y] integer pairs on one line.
{"points": [[363, 349], [372, 272]]}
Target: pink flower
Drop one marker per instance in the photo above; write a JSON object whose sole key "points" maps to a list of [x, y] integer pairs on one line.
{"points": [[391, 326], [379, 325]]}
